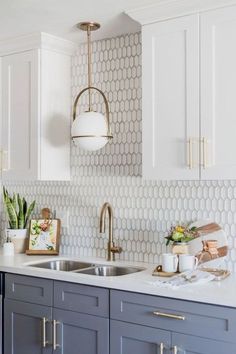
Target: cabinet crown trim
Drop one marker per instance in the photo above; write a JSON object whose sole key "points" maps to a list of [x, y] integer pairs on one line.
{"points": [[174, 8], [38, 40]]}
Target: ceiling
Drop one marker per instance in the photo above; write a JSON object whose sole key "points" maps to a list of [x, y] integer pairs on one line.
{"points": [[59, 17]]}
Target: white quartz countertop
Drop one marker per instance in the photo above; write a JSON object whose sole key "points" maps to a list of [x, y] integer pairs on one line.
{"points": [[216, 292]]}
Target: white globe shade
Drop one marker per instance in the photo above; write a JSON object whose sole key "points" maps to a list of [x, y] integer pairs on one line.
{"points": [[89, 131]]}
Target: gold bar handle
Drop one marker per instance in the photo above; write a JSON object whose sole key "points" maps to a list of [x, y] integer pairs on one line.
{"points": [[1, 159], [161, 348], [190, 153], [1, 164], [175, 349], [54, 344], [169, 315], [4, 153], [44, 339], [204, 152]]}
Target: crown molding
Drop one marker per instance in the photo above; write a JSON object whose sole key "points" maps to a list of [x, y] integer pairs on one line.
{"points": [[39, 40], [164, 10]]}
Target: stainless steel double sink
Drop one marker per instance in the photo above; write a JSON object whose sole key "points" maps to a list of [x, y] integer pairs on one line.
{"points": [[86, 268]]}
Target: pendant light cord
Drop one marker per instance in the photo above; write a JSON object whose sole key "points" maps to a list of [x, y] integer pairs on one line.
{"points": [[89, 65]]}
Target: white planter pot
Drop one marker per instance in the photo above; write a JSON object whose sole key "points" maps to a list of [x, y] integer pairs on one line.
{"points": [[19, 238]]}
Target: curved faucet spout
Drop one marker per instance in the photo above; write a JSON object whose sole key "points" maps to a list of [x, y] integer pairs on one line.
{"points": [[106, 207], [111, 248]]}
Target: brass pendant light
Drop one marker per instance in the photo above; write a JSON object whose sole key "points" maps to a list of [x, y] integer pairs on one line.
{"points": [[90, 130]]}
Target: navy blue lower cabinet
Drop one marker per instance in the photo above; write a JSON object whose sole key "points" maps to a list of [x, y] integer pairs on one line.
{"points": [[76, 321], [186, 344], [127, 338], [77, 333], [25, 331]]}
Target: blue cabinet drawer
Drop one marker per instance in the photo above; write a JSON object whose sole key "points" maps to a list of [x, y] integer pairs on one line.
{"points": [[187, 344], [29, 289], [81, 298], [209, 321]]}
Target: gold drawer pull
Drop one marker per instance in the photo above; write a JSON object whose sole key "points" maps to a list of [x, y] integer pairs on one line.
{"points": [[4, 158], [190, 154], [175, 349], [161, 348], [44, 340], [205, 152], [54, 344], [169, 315]]}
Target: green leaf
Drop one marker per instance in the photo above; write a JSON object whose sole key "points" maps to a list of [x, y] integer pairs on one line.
{"points": [[29, 212], [24, 206], [4, 193], [21, 217], [14, 201], [12, 216], [17, 210]]}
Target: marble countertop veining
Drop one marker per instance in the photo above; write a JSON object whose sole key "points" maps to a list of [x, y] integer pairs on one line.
{"points": [[216, 292]]}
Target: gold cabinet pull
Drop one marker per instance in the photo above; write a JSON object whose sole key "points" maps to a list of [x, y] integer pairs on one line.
{"points": [[169, 315], [1, 165], [175, 349], [55, 344], [190, 153], [204, 152], [44, 338], [3, 153], [161, 348]]}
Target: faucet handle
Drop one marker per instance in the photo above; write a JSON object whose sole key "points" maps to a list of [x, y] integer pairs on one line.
{"points": [[116, 249]]}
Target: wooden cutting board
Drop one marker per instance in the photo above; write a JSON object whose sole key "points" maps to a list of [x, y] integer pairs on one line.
{"points": [[209, 230]]}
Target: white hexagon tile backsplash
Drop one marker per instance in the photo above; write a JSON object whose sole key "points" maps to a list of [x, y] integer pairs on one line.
{"points": [[143, 210]]}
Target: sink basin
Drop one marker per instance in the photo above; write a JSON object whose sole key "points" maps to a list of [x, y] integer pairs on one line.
{"points": [[110, 271], [64, 265], [86, 268]]}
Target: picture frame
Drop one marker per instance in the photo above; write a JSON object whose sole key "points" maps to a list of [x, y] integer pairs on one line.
{"points": [[44, 237]]}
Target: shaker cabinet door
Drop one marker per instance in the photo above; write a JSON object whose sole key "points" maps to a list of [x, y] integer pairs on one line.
{"points": [[20, 116], [127, 338], [77, 333], [171, 99], [218, 87], [23, 328]]}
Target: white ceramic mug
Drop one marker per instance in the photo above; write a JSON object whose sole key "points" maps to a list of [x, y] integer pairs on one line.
{"points": [[187, 262], [169, 262]]}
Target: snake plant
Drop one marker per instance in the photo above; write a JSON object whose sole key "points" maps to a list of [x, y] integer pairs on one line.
{"points": [[17, 210]]}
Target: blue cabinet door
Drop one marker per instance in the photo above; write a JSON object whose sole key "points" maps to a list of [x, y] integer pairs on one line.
{"points": [[77, 333], [186, 344], [23, 328], [127, 338]]}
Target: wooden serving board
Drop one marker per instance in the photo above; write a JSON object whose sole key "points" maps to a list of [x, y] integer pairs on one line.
{"points": [[158, 272]]}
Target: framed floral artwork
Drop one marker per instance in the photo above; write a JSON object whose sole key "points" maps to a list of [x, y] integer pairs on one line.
{"points": [[44, 236]]}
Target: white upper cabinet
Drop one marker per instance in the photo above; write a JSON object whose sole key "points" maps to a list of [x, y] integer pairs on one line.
{"points": [[36, 103], [218, 94], [170, 99], [189, 86]]}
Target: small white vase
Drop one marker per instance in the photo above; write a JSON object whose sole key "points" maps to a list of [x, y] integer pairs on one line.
{"points": [[8, 249], [19, 239]]}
